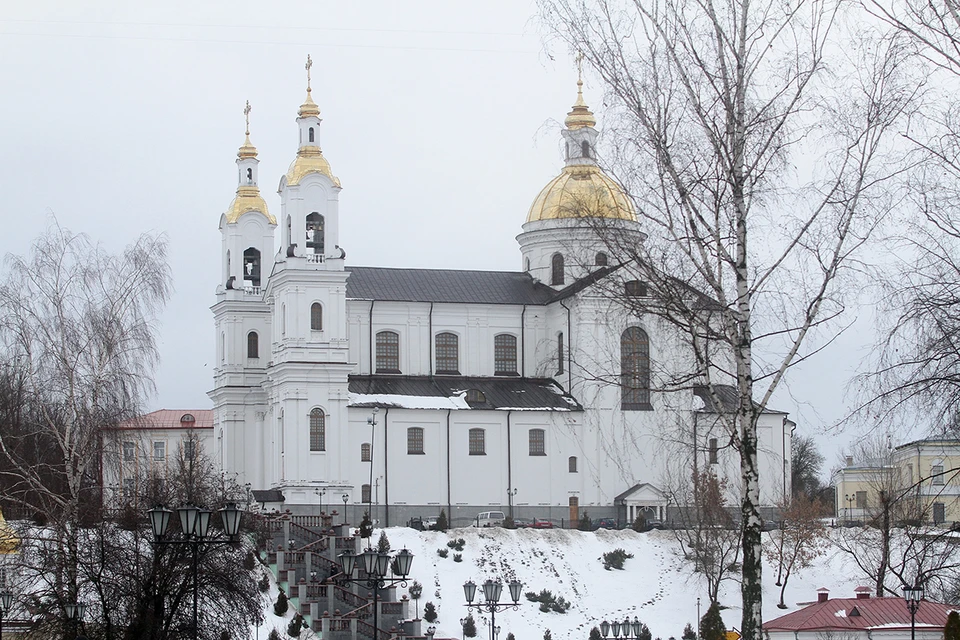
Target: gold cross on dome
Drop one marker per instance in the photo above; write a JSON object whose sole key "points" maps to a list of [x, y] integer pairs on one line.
{"points": [[307, 67], [579, 59], [246, 113]]}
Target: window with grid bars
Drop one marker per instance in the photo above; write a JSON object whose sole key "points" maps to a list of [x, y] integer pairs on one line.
{"points": [[253, 345], [448, 353], [505, 355], [129, 451], [388, 352], [318, 432], [572, 464], [936, 474], [601, 259], [537, 443], [478, 446], [365, 493], [635, 370], [316, 317], [414, 441], [635, 289], [365, 452], [713, 451], [159, 451]]}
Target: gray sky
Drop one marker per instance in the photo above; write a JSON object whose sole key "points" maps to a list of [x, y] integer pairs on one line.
{"points": [[441, 120]]}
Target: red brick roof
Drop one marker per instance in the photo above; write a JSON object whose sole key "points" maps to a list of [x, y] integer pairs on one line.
{"points": [[835, 614], [171, 419]]}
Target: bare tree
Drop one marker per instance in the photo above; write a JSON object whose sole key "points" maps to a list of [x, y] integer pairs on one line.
{"points": [[757, 180], [798, 542]]}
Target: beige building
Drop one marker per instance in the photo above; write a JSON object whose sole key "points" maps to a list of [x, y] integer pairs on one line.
{"points": [[918, 481]]}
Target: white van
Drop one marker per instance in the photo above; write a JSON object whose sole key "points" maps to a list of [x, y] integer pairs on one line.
{"points": [[489, 519]]}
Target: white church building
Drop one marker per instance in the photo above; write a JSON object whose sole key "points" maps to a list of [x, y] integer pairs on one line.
{"points": [[408, 391]]}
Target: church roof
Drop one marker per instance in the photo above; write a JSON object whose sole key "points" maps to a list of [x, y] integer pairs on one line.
{"points": [[450, 392], [854, 614], [445, 285], [171, 419]]}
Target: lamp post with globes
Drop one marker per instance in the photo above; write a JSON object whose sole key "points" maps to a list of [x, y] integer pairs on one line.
{"points": [[912, 596], [625, 629], [75, 617], [370, 569], [6, 604], [345, 498], [195, 531], [491, 599]]}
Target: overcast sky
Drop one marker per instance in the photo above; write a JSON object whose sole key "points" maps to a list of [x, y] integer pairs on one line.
{"points": [[441, 120]]}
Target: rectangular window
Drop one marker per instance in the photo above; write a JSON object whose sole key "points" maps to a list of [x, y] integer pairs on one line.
{"points": [[713, 451], [478, 445], [159, 451], [909, 475], [189, 449], [388, 352], [365, 452], [129, 451], [318, 430], [365, 493], [414, 441], [537, 444], [128, 488], [559, 353], [936, 474], [861, 499], [448, 353], [505, 355], [939, 513]]}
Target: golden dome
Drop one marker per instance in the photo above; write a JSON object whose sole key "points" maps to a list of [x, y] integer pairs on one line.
{"points": [[247, 150], [580, 116], [309, 107], [9, 541], [309, 160], [582, 191], [248, 198]]}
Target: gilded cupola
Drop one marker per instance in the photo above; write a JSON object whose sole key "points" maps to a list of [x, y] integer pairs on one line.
{"points": [[582, 190], [248, 196], [309, 155]]}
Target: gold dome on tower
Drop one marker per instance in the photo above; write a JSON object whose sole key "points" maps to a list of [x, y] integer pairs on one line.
{"points": [[309, 107], [582, 191], [580, 116], [247, 150]]}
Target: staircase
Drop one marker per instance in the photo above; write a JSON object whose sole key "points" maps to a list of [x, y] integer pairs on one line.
{"points": [[302, 551]]}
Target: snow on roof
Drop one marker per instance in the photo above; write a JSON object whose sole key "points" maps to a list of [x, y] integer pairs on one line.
{"points": [[408, 402], [874, 613]]}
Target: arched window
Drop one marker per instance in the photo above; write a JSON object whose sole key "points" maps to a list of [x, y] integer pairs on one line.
{"points": [[388, 352], [253, 345], [251, 267], [601, 260], [223, 348], [572, 464], [318, 431], [448, 353], [283, 319], [556, 272], [475, 396], [249, 176], [635, 370], [316, 317], [365, 452], [415, 441], [315, 233], [505, 355], [560, 353], [537, 443], [584, 149], [365, 493], [310, 134], [478, 445], [526, 264]]}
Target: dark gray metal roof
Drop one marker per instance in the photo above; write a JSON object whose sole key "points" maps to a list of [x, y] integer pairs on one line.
{"points": [[728, 396], [267, 495], [500, 393], [445, 285]]}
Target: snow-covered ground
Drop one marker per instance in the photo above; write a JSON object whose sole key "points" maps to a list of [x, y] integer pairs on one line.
{"points": [[656, 585]]}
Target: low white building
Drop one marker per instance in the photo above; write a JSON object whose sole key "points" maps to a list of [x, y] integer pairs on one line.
{"points": [[408, 391]]}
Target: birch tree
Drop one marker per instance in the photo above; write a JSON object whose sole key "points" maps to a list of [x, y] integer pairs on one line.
{"points": [[756, 140]]}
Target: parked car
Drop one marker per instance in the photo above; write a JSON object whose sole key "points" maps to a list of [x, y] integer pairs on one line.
{"points": [[542, 524], [522, 523], [605, 523], [422, 524], [489, 519]]}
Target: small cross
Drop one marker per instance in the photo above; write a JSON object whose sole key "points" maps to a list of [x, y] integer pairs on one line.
{"points": [[307, 67], [579, 66], [246, 113]]}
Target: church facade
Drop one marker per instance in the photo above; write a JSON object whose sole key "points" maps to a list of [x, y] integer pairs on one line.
{"points": [[408, 391]]}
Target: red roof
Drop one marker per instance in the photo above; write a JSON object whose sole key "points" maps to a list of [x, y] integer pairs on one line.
{"points": [[841, 614], [172, 419]]}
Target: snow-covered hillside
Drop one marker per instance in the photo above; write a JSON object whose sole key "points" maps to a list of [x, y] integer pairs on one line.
{"points": [[656, 585]]}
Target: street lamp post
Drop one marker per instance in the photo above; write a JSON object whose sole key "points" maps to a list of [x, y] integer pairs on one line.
{"points": [[416, 590], [849, 500], [345, 498], [75, 616], [375, 567], [321, 492], [912, 596], [626, 629], [195, 530], [491, 596], [6, 604]]}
